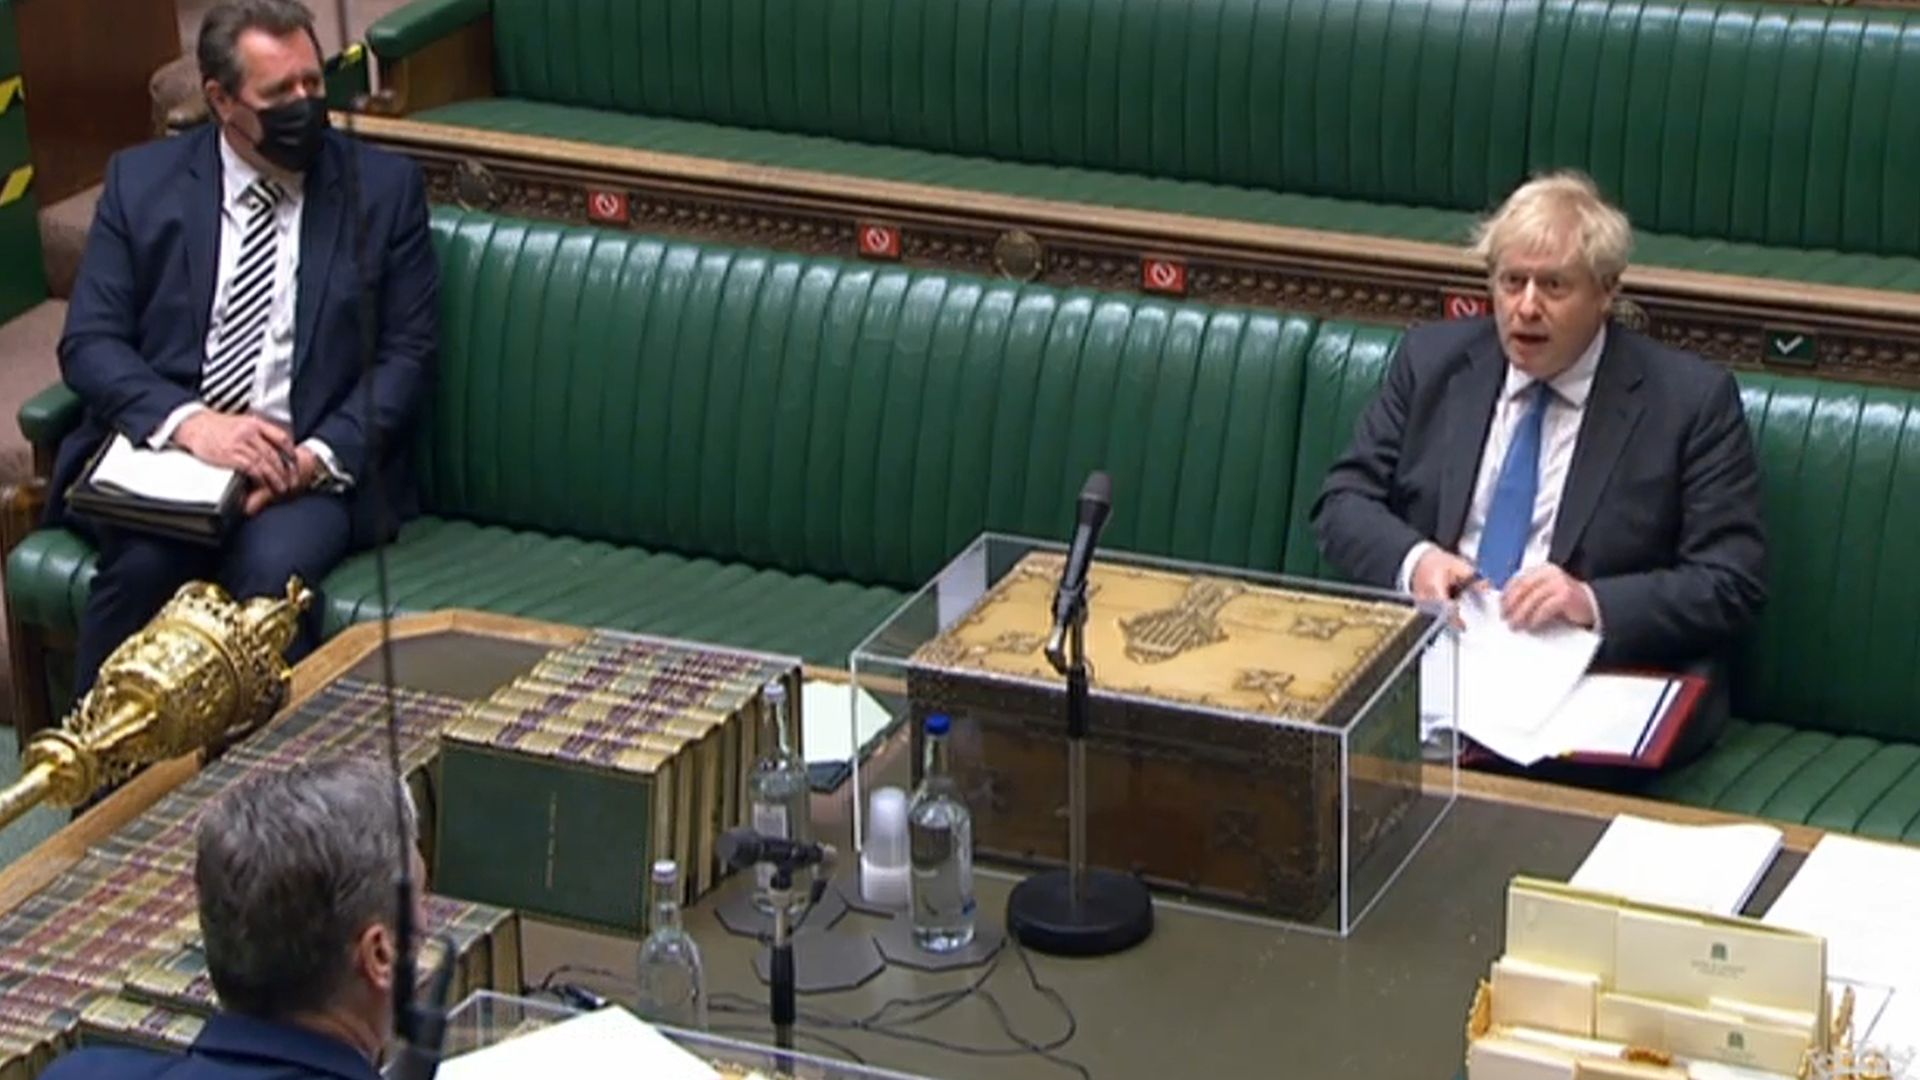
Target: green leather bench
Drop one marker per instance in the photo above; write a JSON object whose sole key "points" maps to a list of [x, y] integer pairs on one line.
{"points": [[1770, 140], [772, 450]]}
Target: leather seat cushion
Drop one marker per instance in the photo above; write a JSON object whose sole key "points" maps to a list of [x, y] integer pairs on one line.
{"points": [[1127, 191], [439, 563], [1852, 783]]}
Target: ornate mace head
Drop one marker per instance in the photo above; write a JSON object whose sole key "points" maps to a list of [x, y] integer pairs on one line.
{"points": [[205, 671]]}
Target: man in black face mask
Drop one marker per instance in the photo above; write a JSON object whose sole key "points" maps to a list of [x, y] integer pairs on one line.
{"points": [[217, 311]]}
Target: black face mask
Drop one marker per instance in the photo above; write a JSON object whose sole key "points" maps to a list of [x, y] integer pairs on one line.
{"points": [[291, 134]]}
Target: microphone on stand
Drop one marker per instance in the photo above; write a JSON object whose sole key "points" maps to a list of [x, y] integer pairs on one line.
{"points": [[1096, 503], [419, 1019], [743, 847]]}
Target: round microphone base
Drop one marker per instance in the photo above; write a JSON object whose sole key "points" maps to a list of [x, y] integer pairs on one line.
{"points": [[1114, 913]]}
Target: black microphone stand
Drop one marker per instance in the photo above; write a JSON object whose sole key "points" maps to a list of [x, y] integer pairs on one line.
{"points": [[780, 892], [1078, 910], [780, 980]]}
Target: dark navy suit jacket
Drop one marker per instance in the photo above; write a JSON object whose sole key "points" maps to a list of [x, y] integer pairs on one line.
{"points": [[230, 1047], [1661, 510], [137, 325]]}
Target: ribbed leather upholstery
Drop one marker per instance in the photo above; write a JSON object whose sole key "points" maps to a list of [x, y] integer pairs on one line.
{"points": [[1839, 647], [838, 418], [1790, 124], [1344, 369], [766, 449], [1381, 100], [1772, 140]]}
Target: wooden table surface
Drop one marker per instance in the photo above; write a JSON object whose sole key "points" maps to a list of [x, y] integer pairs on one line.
{"points": [[1209, 993]]}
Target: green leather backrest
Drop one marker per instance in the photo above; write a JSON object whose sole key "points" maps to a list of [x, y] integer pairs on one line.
{"points": [[1839, 645], [1786, 124], [1385, 100], [841, 418], [1345, 366]]}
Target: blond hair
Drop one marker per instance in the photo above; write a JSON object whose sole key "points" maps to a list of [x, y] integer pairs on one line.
{"points": [[1545, 212]]}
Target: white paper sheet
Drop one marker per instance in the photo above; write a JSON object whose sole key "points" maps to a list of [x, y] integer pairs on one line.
{"points": [[171, 475], [1711, 868], [611, 1044], [1612, 714], [826, 711], [1861, 896], [1511, 681]]}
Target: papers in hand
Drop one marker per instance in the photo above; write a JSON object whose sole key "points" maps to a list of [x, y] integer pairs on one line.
{"points": [[609, 1044], [1710, 868], [1859, 895], [1525, 695], [172, 476]]}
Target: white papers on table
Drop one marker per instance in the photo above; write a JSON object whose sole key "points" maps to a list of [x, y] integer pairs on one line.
{"points": [[1860, 895], [609, 1044], [166, 475], [827, 715], [1526, 695], [1710, 868]]}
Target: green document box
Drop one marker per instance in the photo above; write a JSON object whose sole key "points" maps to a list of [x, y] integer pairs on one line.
{"points": [[568, 842]]}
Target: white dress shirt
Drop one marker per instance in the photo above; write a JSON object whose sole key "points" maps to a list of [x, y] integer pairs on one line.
{"points": [[273, 373], [1559, 432]]}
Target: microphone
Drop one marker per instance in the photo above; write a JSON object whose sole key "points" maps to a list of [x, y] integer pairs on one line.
{"points": [[1096, 502], [419, 1023], [742, 847]]}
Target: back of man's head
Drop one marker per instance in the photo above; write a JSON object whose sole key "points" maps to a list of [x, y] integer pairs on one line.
{"points": [[292, 868]]}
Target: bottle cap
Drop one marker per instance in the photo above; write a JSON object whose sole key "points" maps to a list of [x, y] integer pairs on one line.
{"points": [[665, 872], [776, 692], [937, 724]]}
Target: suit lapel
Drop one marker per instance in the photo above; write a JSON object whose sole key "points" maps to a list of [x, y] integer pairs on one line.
{"points": [[1613, 410], [320, 225], [201, 220], [1469, 414]]}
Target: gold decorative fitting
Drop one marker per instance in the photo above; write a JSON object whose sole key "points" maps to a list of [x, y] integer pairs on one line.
{"points": [[475, 186], [1019, 255], [204, 672]]}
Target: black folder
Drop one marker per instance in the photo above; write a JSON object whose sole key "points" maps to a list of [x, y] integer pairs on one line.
{"points": [[193, 521]]}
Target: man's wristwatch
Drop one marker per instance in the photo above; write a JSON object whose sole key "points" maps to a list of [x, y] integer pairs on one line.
{"points": [[324, 478]]}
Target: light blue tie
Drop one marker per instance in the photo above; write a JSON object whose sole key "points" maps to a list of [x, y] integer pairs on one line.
{"points": [[1510, 516]]}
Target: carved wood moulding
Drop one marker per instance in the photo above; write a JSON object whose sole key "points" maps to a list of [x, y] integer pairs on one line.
{"points": [[1842, 333]]}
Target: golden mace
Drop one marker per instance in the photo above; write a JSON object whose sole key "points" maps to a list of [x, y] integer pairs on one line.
{"points": [[205, 671]]}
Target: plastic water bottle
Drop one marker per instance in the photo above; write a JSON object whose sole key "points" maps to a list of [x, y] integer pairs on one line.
{"points": [[781, 796], [940, 834], [673, 986]]}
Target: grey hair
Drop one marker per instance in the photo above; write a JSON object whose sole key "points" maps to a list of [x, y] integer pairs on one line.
{"points": [[218, 48], [292, 867], [1550, 210]]}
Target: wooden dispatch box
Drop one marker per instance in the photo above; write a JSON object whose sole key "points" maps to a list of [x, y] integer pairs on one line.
{"points": [[1193, 782]]}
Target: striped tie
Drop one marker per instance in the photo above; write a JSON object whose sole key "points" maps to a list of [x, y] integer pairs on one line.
{"points": [[226, 383]]}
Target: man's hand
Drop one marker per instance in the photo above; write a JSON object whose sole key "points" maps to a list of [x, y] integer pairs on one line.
{"points": [[258, 448], [1440, 575], [1544, 595], [306, 465]]}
